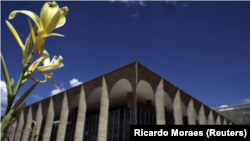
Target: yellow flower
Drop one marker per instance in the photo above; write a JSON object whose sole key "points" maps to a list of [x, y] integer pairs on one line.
{"points": [[48, 65], [51, 18]]}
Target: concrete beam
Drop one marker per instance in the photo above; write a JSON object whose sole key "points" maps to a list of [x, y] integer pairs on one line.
{"points": [[218, 121], [177, 105], [28, 122], [104, 112], [210, 118], [19, 129], [12, 131], [191, 114], [39, 119], [49, 121], [80, 121], [63, 119], [160, 105], [201, 116]]}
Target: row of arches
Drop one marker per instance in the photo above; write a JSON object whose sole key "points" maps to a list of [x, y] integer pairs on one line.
{"points": [[165, 108]]}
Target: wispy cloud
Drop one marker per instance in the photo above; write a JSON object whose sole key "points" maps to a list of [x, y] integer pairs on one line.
{"points": [[56, 91], [131, 3], [171, 2], [3, 95], [135, 15], [37, 97], [244, 101], [74, 82]]}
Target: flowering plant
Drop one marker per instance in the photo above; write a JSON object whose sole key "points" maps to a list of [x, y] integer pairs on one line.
{"points": [[51, 18]]}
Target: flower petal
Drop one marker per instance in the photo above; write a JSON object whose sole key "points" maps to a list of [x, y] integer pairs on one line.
{"points": [[15, 34], [46, 60], [32, 15], [47, 13], [32, 32], [62, 20], [52, 24], [55, 34]]}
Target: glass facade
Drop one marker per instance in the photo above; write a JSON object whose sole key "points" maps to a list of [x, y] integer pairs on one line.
{"points": [[119, 121]]}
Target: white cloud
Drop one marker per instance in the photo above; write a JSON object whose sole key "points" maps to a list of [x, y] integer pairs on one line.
{"points": [[131, 3], [246, 100], [74, 82], [3, 95], [56, 91], [171, 2], [37, 97], [225, 108]]}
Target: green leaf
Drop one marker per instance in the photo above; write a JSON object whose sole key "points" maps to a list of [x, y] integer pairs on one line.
{"points": [[32, 32], [24, 96], [6, 75], [17, 113]]}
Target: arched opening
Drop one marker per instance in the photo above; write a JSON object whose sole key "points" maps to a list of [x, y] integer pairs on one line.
{"points": [[145, 104], [92, 115], [120, 110]]}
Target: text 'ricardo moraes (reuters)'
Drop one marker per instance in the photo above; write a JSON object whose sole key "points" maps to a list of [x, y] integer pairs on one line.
{"points": [[176, 132]]}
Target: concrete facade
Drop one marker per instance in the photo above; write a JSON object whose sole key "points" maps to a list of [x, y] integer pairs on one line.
{"points": [[103, 108], [238, 114]]}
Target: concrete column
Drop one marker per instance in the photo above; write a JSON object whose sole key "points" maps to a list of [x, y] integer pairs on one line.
{"points": [[49, 121], [178, 109], [225, 122], [12, 131], [19, 130], [80, 121], [218, 121], [210, 118], [149, 106], [28, 122], [104, 111], [63, 119], [201, 116], [191, 114], [160, 105], [39, 119], [130, 99], [230, 123]]}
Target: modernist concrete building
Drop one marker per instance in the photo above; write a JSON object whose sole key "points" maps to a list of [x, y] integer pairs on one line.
{"points": [[103, 108], [239, 114]]}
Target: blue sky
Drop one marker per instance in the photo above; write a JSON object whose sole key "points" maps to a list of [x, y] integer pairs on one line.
{"points": [[201, 47]]}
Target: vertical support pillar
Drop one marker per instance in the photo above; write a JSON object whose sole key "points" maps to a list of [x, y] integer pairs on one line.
{"points": [[225, 122], [20, 125], [28, 122], [210, 118], [149, 106], [12, 131], [130, 99], [159, 104], [191, 114], [201, 116], [49, 121], [63, 119], [80, 121], [218, 121], [104, 111], [178, 109], [39, 119]]}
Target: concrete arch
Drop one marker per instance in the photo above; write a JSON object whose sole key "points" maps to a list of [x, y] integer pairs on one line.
{"points": [[93, 100], [168, 103], [145, 92], [145, 101], [120, 92]]}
